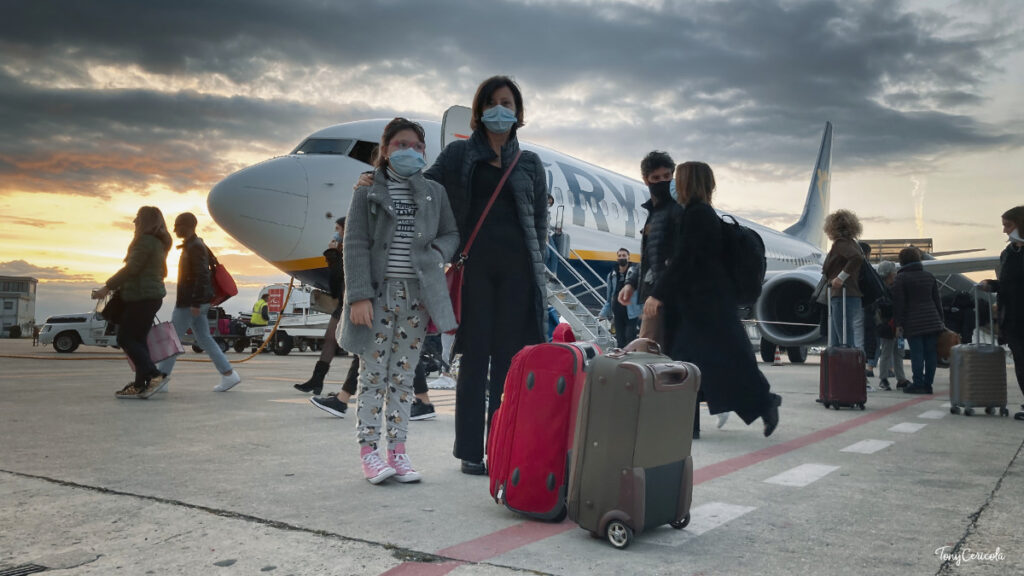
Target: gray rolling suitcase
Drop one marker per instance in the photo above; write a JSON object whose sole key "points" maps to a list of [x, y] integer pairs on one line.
{"points": [[631, 466], [977, 375]]}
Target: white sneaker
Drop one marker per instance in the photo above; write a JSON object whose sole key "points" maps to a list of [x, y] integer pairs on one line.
{"points": [[443, 382], [722, 419], [227, 382]]}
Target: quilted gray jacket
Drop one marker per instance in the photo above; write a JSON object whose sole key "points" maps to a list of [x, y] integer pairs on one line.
{"points": [[369, 228], [454, 169]]}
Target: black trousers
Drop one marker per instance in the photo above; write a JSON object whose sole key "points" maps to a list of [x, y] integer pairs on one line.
{"points": [[625, 328], [498, 319], [1016, 346], [136, 322]]}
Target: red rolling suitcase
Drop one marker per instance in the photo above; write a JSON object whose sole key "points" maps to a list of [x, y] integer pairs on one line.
{"points": [[842, 380], [531, 435]]}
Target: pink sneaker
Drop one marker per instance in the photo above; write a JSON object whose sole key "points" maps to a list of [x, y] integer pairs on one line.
{"points": [[375, 470], [399, 460]]}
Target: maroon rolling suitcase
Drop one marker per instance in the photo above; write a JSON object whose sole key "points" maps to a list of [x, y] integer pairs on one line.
{"points": [[842, 379], [529, 445]]}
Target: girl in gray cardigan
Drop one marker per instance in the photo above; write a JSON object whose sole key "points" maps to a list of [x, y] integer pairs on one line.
{"points": [[400, 232]]}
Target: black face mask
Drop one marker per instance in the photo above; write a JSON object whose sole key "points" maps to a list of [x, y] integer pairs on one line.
{"points": [[623, 261], [660, 190]]}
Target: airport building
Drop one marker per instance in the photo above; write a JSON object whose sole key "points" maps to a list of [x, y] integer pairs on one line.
{"points": [[17, 306]]}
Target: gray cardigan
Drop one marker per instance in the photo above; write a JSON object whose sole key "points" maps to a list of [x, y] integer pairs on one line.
{"points": [[369, 228]]}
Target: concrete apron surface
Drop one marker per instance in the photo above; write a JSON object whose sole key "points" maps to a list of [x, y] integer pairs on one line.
{"points": [[256, 480]]}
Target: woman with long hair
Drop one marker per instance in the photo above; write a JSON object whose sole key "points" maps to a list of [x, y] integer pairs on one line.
{"points": [[505, 287], [699, 300], [141, 283]]}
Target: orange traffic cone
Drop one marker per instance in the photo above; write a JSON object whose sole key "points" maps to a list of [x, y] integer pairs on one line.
{"points": [[778, 356]]}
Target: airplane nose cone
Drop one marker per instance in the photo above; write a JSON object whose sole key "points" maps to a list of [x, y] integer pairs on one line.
{"points": [[263, 206]]}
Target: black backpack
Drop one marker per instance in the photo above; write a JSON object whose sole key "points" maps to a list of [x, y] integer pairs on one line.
{"points": [[745, 261], [871, 285]]}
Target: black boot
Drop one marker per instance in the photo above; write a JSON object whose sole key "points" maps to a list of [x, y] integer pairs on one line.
{"points": [[770, 417], [696, 421], [316, 383]]}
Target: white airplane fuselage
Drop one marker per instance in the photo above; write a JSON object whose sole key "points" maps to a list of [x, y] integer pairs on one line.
{"points": [[284, 209]]}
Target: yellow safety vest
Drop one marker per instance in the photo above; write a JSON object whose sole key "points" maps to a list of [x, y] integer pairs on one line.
{"points": [[257, 313]]}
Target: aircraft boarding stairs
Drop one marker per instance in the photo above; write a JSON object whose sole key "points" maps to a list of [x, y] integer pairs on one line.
{"points": [[566, 301]]}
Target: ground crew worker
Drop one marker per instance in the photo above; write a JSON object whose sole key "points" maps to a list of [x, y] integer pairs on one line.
{"points": [[260, 313]]}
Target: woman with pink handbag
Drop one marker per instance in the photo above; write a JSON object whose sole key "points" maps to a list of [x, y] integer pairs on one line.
{"points": [[141, 286]]}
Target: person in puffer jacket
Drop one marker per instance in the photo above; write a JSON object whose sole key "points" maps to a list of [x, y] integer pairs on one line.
{"points": [[917, 313]]}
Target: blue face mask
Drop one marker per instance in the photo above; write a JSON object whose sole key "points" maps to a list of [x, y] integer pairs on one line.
{"points": [[406, 162], [499, 119], [672, 190]]}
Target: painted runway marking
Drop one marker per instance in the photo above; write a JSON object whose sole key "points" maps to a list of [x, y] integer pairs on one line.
{"points": [[933, 415], [907, 427], [802, 475], [523, 534], [946, 405], [867, 446], [703, 518]]}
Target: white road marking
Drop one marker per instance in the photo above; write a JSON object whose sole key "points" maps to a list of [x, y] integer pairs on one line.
{"points": [[802, 475], [933, 414], [703, 518], [946, 405], [907, 427], [867, 446]]}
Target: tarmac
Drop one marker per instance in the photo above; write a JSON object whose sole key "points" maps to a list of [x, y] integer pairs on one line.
{"points": [[258, 481]]}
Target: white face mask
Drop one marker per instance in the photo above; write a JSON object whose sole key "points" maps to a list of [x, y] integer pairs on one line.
{"points": [[1014, 236]]}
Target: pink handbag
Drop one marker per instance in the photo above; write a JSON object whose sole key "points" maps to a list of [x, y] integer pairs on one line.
{"points": [[162, 342]]}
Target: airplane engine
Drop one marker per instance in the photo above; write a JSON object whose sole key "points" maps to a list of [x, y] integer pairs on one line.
{"points": [[786, 315]]}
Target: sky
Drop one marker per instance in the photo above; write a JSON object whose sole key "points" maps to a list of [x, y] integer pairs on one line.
{"points": [[109, 105]]}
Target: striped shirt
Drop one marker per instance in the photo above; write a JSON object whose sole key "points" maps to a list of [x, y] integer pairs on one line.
{"points": [[402, 202]]}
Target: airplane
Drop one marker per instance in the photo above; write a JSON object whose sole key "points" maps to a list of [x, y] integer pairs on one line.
{"points": [[283, 209]]}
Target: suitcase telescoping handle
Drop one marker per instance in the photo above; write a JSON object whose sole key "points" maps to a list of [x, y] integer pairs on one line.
{"points": [[977, 316]]}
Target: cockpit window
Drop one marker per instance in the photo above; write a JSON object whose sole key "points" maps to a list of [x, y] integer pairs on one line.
{"points": [[324, 146], [363, 151]]}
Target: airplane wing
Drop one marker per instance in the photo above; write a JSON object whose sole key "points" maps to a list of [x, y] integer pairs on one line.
{"points": [[962, 265]]}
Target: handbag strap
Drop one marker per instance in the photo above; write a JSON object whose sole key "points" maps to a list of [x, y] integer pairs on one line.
{"points": [[494, 196]]}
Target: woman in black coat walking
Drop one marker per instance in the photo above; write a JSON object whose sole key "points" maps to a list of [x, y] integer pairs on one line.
{"points": [[917, 314], [1009, 285], [699, 302]]}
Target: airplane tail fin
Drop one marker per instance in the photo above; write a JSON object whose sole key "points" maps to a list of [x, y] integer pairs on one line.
{"points": [[809, 227]]}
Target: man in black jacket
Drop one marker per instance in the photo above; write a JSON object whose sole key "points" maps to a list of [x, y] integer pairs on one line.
{"points": [[195, 291], [658, 232]]}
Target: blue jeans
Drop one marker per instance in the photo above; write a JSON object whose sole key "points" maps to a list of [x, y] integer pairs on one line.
{"points": [[183, 320], [924, 356], [854, 323]]}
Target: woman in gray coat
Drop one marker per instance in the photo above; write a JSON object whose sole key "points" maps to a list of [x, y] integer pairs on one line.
{"points": [[505, 289], [399, 234]]}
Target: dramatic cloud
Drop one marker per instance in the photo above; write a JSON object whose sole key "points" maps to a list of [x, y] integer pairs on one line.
{"points": [[23, 268]]}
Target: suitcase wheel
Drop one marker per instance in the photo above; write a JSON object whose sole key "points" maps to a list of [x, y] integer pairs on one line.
{"points": [[954, 410], [861, 406], [680, 524], [619, 535], [990, 410], [968, 411], [1004, 411]]}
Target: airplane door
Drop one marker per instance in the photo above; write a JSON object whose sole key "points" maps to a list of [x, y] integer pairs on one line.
{"points": [[455, 124]]}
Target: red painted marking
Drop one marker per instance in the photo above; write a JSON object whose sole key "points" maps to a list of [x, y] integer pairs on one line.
{"points": [[738, 463], [506, 540], [525, 533], [422, 569]]}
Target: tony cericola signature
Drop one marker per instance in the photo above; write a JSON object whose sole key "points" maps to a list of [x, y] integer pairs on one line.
{"points": [[946, 553]]}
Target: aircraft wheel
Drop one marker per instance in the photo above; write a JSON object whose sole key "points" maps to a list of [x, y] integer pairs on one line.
{"points": [[797, 354]]}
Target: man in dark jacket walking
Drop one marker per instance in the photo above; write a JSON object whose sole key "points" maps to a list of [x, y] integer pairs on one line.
{"points": [[658, 235], [626, 319], [195, 291]]}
